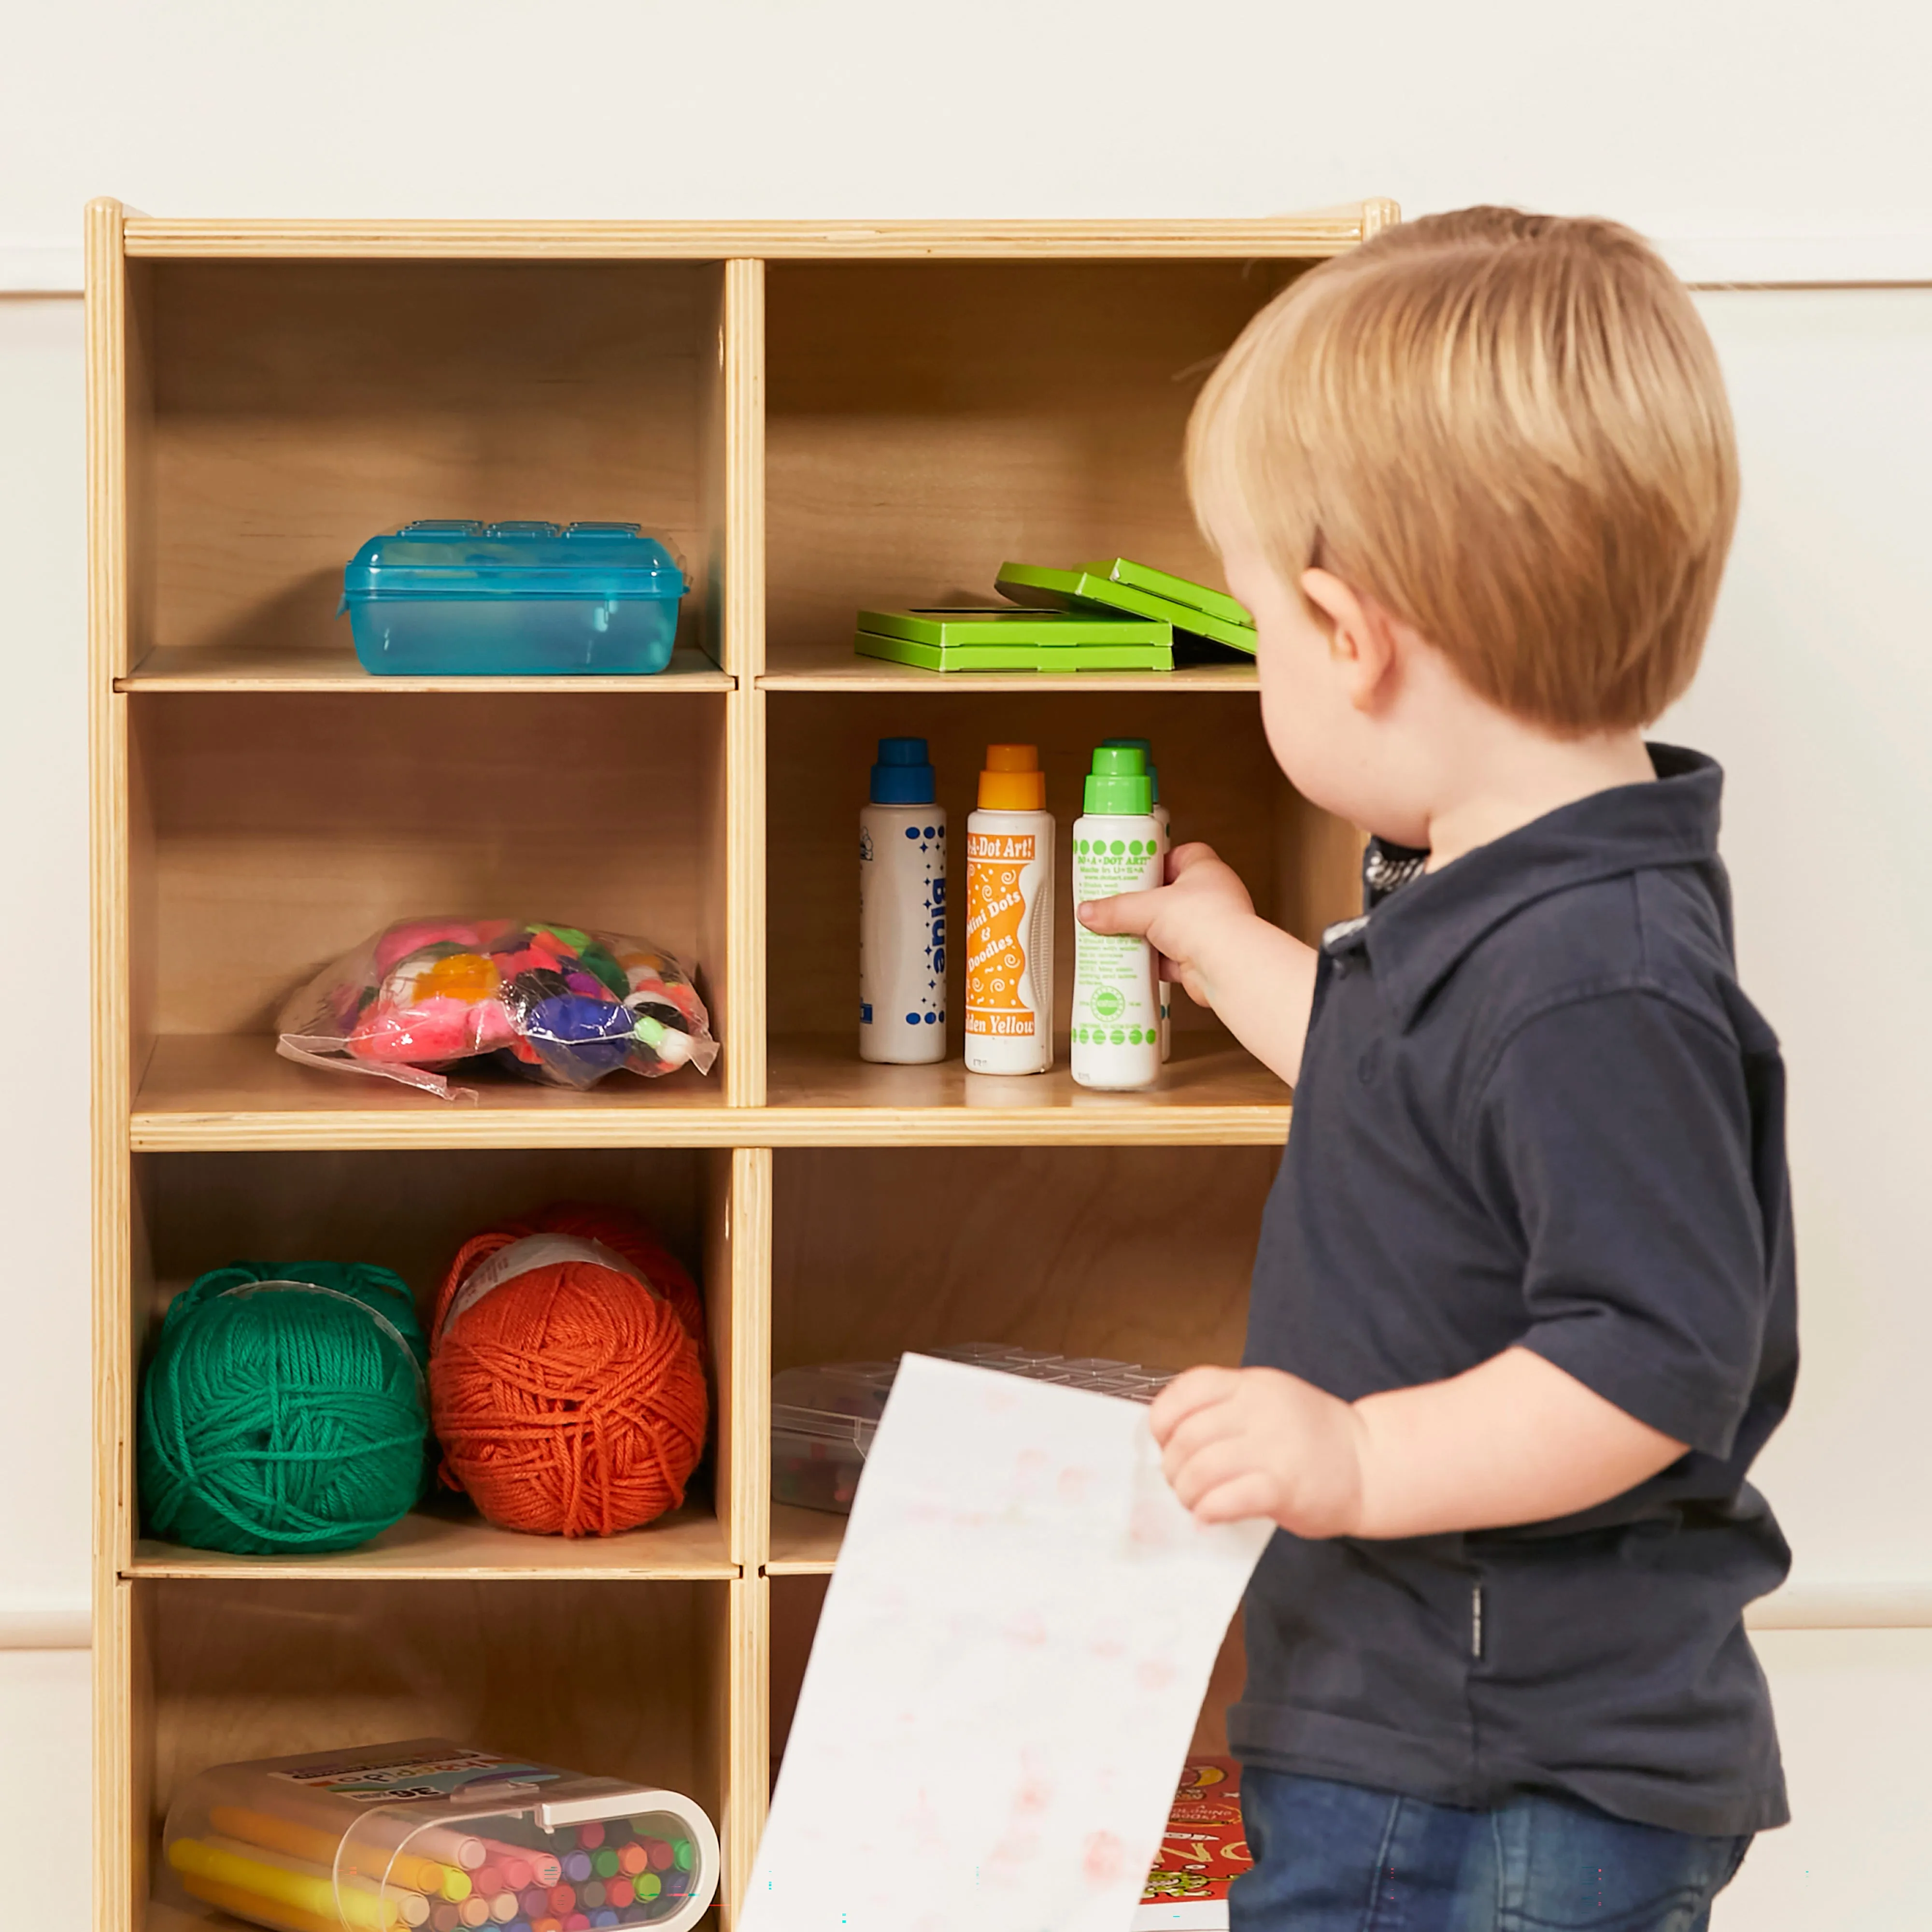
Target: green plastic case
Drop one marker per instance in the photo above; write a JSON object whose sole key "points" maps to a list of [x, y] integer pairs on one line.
{"points": [[1072, 657], [1176, 589], [977, 625], [1088, 589]]}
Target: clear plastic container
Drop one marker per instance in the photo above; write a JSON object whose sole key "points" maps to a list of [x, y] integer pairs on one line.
{"points": [[431, 1834], [823, 1419], [451, 598]]}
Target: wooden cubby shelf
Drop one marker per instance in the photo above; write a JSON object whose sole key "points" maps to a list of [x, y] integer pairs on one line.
{"points": [[688, 1545], [333, 667], [821, 417], [804, 1543]]}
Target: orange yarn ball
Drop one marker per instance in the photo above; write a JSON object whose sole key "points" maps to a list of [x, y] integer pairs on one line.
{"points": [[570, 1400]]}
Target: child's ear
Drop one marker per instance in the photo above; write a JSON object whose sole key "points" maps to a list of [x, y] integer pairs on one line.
{"points": [[1361, 638]]}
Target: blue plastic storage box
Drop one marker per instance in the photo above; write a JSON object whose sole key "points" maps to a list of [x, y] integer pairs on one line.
{"points": [[450, 597]]}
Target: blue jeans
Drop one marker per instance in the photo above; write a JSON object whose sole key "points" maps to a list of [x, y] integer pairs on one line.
{"points": [[1337, 1858]]}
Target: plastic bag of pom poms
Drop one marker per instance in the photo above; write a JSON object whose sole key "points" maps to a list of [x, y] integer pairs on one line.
{"points": [[551, 1003]]}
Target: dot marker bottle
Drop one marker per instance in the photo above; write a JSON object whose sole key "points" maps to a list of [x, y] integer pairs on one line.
{"points": [[902, 909], [1009, 917], [1160, 815], [1116, 1039]]}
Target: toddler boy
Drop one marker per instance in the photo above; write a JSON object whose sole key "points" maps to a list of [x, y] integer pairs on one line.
{"points": [[1524, 1308]]}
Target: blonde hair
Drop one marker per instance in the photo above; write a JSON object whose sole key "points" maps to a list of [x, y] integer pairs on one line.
{"points": [[1509, 429]]}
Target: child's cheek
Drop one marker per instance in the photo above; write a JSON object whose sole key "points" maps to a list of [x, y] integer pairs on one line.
{"points": [[1291, 709]]}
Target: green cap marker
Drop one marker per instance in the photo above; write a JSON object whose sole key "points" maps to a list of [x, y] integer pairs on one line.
{"points": [[1118, 786], [1145, 747]]}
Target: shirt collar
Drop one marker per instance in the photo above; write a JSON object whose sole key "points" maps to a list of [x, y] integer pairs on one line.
{"points": [[1418, 925]]}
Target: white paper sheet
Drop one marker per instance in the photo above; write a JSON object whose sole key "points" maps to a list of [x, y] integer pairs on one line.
{"points": [[1011, 1658]]}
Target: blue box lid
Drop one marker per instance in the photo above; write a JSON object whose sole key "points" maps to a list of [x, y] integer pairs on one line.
{"points": [[449, 557]]}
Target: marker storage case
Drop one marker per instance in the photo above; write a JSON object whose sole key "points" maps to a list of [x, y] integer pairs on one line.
{"points": [[431, 1834], [449, 598], [823, 1419]]}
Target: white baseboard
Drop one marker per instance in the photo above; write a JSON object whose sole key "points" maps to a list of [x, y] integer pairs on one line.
{"points": [[40, 268], [31, 1621]]}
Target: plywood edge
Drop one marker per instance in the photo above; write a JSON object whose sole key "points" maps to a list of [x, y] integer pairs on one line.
{"points": [[972, 1127], [1309, 236], [292, 1131], [742, 347], [741, 1127], [751, 1289], [106, 368], [749, 1751], [1377, 214], [672, 1570]]}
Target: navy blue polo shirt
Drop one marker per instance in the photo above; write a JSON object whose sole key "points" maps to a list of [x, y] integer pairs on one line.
{"points": [[1536, 1110]]}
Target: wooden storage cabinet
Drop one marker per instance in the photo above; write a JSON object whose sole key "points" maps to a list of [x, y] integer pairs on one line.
{"points": [[818, 418]]}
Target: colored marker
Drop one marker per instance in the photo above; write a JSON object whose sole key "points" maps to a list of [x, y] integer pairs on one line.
{"points": [[590, 1836], [502, 1907], [535, 1902], [252, 1905], [394, 1833], [577, 1921], [361, 1909], [562, 1900], [577, 1867], [277, 1834], [545, 1870], [648, 1885], [684, 1854], [633, 1859], [618, 1892], [474, 1911], [411, 1907]]}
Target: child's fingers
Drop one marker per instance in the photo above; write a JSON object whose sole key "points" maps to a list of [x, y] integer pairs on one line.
{"points": [[1213, 1422], [1195, 1388], [1129, 912], [1185, 858], [1191, 1473], [1240, 1500]]}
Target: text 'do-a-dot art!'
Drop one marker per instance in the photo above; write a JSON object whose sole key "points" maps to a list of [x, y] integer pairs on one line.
{"points": [[1008, 1668]]}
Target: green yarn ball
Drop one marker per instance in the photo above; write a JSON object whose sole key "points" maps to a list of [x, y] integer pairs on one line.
{"points": [[285, 1410]]}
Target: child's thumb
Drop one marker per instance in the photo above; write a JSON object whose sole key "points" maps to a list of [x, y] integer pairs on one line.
{"points": [[1128, 912]]}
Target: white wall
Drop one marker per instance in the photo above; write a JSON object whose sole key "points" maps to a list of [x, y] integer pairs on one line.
{"points": [[1768, 131], [1761, 142], [1817, 694], [47, 1432]]}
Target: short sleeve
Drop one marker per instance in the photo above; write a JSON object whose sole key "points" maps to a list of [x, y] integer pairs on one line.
{"points": [[1616, 1130]]}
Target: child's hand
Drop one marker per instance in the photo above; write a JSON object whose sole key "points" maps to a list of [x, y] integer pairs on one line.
{"points": [[1241, 1443], [1203, 901]]}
